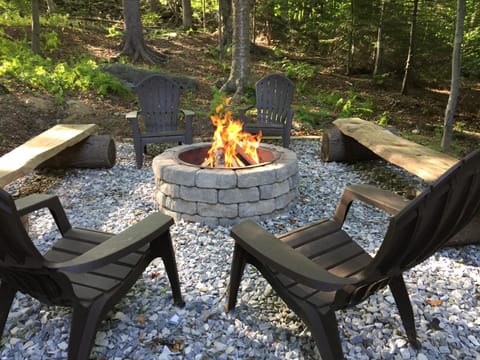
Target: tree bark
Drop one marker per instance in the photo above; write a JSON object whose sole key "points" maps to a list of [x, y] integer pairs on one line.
{"points": [[379, 44], [225, 24], [411, 51], [240, 71], [96, 151], [455, 83], [36, 26], [51, 7], [351, 38], [187, 14], [134, 44]]}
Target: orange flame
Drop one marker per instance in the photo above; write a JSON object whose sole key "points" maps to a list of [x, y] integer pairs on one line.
{"points": [[231, 146]]}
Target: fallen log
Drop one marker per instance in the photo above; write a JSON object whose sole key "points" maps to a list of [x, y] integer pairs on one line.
{"points": [[96, 151], [338, 147]]}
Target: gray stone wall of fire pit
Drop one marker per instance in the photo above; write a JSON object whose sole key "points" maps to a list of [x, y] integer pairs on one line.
{"points": [[225, 196]]}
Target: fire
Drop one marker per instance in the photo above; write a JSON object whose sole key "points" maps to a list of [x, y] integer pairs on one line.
{"points": [[231, 146]]}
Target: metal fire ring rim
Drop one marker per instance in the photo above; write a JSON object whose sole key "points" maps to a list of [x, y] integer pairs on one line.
{"points": [[276, 156]]}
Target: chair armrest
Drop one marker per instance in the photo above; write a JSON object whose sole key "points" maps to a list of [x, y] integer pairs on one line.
{"points": [[271, 251], [187, 113], [242, 112], [385, 200], [132, 115], [116, 247], [35, 202]]}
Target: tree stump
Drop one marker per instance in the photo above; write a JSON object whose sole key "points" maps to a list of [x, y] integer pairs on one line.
{"points": [[96, 151], [339, 147]]}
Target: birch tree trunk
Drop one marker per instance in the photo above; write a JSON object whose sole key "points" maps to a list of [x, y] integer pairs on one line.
{"points": [[240, 70], [455, 83], [134, 43], [411, 51], [36, 26], [379, 43]]}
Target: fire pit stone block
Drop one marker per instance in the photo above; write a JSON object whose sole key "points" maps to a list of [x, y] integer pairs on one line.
{"points": [[225, 196]]}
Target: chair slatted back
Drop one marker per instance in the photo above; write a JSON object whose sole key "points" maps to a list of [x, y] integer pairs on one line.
{"points": [[159, 99], [430, 220], [274, 94], [16, 247]]}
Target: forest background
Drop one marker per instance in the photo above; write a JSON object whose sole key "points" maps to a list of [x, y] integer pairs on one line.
{"points": [[347, 58]]}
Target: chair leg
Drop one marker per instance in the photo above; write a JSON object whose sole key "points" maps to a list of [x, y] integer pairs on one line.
{"points": [[400, 294], [83, 330], [7, 294], [238, 265], [324, 329], [168, 257], [139, 148]]}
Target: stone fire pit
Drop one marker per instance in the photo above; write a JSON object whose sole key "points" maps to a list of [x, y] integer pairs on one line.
{"points": [[224, 196]]}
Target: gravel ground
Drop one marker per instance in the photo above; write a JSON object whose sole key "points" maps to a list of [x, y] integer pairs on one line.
{"points": [[444, 290]]}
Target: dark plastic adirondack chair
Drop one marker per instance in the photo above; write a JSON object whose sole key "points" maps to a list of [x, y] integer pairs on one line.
{"points": [[318, 269], [159, 98], [274, 94], [87, 270]]}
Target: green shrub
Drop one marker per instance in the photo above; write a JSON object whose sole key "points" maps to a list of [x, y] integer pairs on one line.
{"points": [[19, 62]]}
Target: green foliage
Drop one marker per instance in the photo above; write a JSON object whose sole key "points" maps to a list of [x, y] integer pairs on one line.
{"points": [[114, 32], [151, 19], [330, 105], [49, 40], [20, 63], [382, 120], [295, 70], [471, 53]]}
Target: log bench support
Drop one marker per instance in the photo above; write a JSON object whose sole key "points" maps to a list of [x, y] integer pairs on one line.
{"points": [[354, 139]]}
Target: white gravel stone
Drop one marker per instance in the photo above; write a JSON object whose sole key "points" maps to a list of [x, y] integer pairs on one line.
{"points": [[261, 327]]}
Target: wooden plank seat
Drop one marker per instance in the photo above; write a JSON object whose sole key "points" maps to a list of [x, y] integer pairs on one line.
{"points": [[87, 270], [28, 156], [420, 160], [318, 269]]}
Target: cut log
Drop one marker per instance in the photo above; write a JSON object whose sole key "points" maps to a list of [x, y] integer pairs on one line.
{"points": [[35, 151], [338, 147], [96, 151]]}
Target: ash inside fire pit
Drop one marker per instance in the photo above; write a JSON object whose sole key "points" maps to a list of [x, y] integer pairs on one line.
{"points": [[224, 196]]}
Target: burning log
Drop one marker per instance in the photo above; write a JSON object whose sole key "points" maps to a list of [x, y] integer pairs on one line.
{"points": [[244, 157]]}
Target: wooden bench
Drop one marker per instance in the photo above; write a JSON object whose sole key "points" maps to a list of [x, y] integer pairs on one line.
{"points": [[23, 159], [355, 139]]}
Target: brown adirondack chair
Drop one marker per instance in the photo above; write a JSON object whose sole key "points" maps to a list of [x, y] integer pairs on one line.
{"points": [[318, 269], [159, 98], [274, 94], [87, 270]]}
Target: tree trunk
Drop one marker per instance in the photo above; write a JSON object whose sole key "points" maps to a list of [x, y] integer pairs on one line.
{"points": [[240, 71], [51, 7], [225, 24], [134, 43], [187, 14], [36, 26], [379, 44], [455, 84], [411, 51], [351, 40]]}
